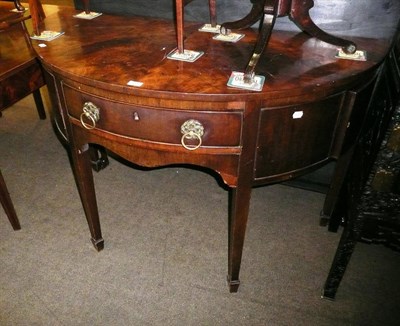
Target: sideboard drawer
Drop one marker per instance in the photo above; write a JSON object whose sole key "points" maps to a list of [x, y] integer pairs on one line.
{"points": [[293, 138], [220, 129]]}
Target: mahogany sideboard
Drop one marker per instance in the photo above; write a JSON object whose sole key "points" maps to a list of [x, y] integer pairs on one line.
{"points": [[112, 85]]}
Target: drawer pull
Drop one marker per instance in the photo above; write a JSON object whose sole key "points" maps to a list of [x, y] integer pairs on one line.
{"points": [[92, 113], [192, 129]]}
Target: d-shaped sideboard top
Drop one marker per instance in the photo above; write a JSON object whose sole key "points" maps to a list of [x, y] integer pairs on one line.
{"points": [[142, 105], [109, 51]]}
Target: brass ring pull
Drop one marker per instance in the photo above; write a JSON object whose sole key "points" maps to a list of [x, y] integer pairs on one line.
{"points": [[92, 113], [191, 135], [192, 129]]}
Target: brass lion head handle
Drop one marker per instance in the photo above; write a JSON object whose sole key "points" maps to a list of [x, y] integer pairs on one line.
{"points": [[192, 129]]}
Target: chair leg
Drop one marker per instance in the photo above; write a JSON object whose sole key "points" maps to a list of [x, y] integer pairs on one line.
{"points": [[301, 16], [86, 6], [267, 24], [18, 5], [344, 251], [251, 18], [39, 104], [267, 11], [37, 15], [336, 197], [213, 12], [180, 18], [7, 204], [179, 4]]}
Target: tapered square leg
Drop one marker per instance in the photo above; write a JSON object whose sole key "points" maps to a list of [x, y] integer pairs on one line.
{"points": [[7, 204], [82, 167], [240, 202]]}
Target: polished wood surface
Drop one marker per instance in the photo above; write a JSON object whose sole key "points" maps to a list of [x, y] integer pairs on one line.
{"points": [[307, 113], [142, 57], [20, 71]]}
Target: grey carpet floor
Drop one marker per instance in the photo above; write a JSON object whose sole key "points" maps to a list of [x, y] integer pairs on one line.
{"points": [[165, 256]]}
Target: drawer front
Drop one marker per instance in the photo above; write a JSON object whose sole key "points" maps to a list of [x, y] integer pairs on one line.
{"points": [[296, 137], [220, 129]]}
